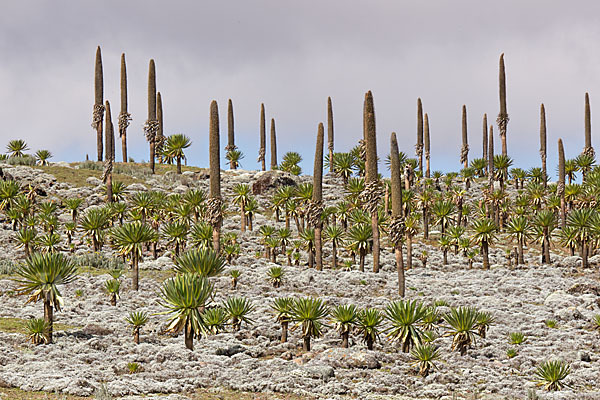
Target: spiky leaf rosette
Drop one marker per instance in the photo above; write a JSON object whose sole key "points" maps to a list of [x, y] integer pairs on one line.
{"points": [[309, 312], [183, 296], [129, 238], [551, 374], [462, 323], [404, 317], [203, 261], [237, 309], [41, 275]]}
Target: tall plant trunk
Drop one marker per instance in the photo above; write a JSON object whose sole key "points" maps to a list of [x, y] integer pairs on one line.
{"points": [[49, 318], [284, 331], [273, 145], [215, 176], [584, 255], [158, 146], [445, 255], [372, 176], [345, 335], [230, 133], [152, 110], [485, 141], [503, 115], [485, 255], [306, 343], [136, 337], [400, 269], [98, 102], [178, 165], [427, 147], [425, 223], [317, 197], [386, 200], [263, 138], [520, 258], [311, 258], [491, 167], [330, 133], [135, 271], [408, 251], [369, 343], [589, 149], [543, 143], [375, 228], [243, 217], [189, 336], [361, 261], [546, 245], [108, 165], [419, 147], [561, 184], [334, 255], [124, 116], [405, 346], [464, 151]]}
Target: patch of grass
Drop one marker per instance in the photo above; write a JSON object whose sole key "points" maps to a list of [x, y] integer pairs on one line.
{"points": [[18, 394], [99, 261], [154, 274], [7, 268], [157, 275], [77, 177], [19, 325], [92, 271]]}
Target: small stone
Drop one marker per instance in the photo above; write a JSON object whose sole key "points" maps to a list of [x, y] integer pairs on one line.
{"points": [[230, 351], [92, 180], [96, 330], [323, 372], [137, 187], [271, 180]]}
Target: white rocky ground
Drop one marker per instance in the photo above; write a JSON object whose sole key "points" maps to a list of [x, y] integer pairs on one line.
{"points": [[99, 349]]}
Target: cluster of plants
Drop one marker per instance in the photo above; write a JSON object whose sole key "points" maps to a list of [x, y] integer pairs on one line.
{"points": [[413, 325], [290, 163], [535, 214], [15, 154]]}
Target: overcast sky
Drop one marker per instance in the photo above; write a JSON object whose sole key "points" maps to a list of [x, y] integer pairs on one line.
{"points": [[291, 56]]}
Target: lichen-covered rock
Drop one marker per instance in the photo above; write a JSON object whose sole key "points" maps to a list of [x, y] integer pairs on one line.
{"points": [[136, 187], [349, 358], [570, 262], [270, 180]]}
